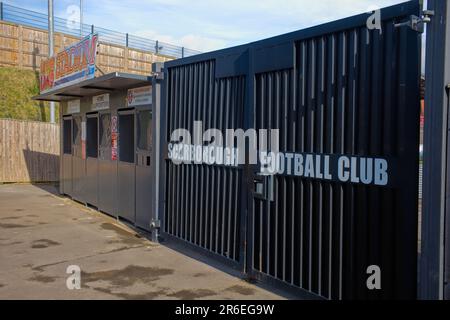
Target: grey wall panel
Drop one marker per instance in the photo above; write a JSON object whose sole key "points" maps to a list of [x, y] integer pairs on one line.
{"points": [[66, 181], [126, 191], [144, 188], [91, 181], [78, 182], [107, 187]]}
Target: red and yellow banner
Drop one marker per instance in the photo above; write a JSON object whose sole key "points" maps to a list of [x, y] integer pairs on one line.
{"points": [[76, 63]]}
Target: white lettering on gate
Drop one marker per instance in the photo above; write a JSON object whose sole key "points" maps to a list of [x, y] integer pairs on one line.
{"points": [[209, 148]]}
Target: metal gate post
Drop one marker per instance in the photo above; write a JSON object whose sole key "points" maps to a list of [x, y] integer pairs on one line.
{"points": [[158, 148], [436, 186], [246, 256]]}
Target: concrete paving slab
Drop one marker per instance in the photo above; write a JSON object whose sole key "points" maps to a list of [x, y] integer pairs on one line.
{"points": [[42, 234]]}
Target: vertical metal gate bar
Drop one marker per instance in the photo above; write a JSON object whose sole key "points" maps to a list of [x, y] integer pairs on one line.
{"points": [[376, 115], [310, 148], [185, 168], [388, 147], [208, 170], [435, 185], [320, 149], [178, 167], [196, 183], [283, 125], [339, 139], [329, 148], [293, 148], [203, 108], [359, 213], [265, 90], [198, 106], [226, 199], [212, 169], [180, 182], [191, 118], [302, 115], [226, 181], [351, 133], [171, 185], [169, 176], [230, 201], [238, 116], [274, 109], [361, 208]]}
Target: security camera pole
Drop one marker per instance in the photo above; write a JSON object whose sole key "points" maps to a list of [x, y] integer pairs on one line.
{"points": [[50, 50]]}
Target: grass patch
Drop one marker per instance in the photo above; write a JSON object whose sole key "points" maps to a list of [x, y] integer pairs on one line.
{"points": [[17, 87]]}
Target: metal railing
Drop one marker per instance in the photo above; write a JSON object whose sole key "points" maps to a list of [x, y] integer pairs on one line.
{"points": [[38, 20]]}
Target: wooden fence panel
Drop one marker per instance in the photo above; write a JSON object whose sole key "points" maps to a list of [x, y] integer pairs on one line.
{"points": [[25, 47], [29, 151]]}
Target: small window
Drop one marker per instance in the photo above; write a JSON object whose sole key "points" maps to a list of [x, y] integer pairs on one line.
{"points": [[145, 130], [67, 132], [92, 137], [105, 137], [126, 138]]}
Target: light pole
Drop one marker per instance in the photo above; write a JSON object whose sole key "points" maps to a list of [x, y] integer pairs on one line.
{"points": [[81, 18], [50, 50]]}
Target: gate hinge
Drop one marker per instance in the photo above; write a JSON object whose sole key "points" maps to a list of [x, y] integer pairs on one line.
{"points": [[417, 23], [156, 224], [158, 75]]}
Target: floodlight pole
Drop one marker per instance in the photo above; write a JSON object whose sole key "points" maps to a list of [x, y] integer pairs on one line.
{"points": [[50, 50], [81, 18]]}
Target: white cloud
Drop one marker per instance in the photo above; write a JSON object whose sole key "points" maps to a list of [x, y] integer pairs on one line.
{"points": [[190, 41], [232, 22]]}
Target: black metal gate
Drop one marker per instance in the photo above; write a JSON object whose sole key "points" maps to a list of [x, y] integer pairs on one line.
{"points": [[341, 93], [202, 201]]}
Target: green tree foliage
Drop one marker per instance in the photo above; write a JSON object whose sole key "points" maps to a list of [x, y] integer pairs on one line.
{"points": [[17, 87]]}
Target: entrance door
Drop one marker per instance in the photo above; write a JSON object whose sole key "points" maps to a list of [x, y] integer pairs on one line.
{"points": [[144, 181], [126, 166], [92, 159], [107, 166], [66, 182], [78, 163]]}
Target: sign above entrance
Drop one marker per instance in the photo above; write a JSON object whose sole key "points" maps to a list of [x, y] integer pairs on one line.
{"points": [[73, 106], [72, 65], [100, 102], [139, 96]]}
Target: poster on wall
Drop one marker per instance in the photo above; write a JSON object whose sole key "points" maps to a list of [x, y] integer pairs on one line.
{"points": [[139, 97], [100, 102], [74, 64], [73, 106], [114, 136]]}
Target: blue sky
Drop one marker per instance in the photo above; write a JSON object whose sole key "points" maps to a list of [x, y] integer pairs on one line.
{"points": [[208, 25]]}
